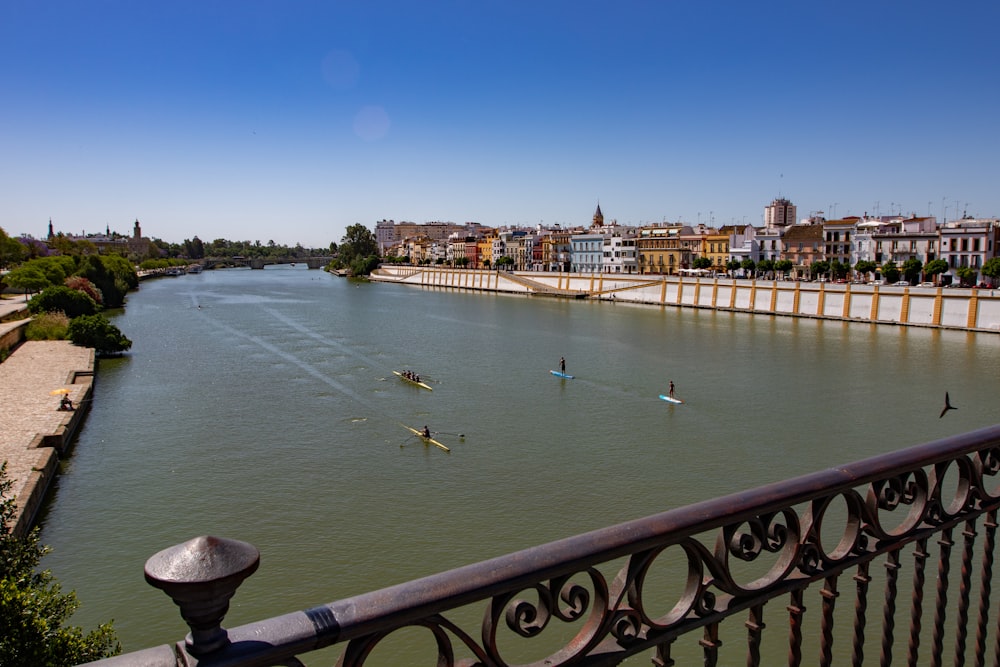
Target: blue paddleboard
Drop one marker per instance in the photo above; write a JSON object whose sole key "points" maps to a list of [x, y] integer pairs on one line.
{"points": [[671, 400], [562, 375]]}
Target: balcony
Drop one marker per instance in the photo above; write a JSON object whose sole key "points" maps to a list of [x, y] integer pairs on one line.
{"points": [[889, 557]]}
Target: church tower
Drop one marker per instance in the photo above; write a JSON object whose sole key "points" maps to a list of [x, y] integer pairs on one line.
{"points": [[51, 232], [598, 217], [136, 232]]}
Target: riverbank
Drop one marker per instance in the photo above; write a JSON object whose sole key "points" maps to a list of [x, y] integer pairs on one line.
{"points": [[954, 308], [33, 431]]}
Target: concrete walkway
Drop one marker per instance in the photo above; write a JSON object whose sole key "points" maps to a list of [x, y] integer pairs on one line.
{"points": [[33, 431]]}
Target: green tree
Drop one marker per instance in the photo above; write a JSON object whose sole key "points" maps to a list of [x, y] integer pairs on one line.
{"points": [[819, 268], [359, 243], [935, 267], [12, 251], [766, 266], [702, 263], [62, 299], [991, 269], [33, 608], [890, 272], [732, 266], [748, 265], [784, 266], [27, 278], [966, 275], [911, 270], [97, 332], [864, 267]]}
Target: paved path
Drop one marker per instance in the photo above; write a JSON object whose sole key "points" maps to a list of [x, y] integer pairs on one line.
{"points": [[32, 429]]}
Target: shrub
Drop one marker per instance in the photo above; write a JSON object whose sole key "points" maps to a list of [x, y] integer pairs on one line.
{"points": [[97, 332], [62, 299], [47, 326], [33, 608], [83, 285]]}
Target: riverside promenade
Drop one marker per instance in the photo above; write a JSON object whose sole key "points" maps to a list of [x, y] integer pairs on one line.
{"points": [[33, 431]]}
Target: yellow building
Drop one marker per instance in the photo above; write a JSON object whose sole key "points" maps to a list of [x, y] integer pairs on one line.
{"points": [[716, 247], [659, 249]]}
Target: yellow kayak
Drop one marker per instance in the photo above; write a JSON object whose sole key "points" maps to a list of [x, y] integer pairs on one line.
{"points": [[419, 384], [420, 434]]}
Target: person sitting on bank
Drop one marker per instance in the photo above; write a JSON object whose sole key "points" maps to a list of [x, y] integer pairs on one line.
{"points": [[65, 403]]}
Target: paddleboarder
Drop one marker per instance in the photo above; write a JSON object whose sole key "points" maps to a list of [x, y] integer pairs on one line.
{"points": [[562, 365], [671, 392]]}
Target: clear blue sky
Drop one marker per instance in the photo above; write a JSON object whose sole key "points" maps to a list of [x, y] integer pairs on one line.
{"points": [[288, 121]]}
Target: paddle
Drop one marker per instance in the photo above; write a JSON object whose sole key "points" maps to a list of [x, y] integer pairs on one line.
{"points": [[460, 435]]}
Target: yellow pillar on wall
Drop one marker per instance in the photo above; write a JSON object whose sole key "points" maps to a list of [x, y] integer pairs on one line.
{"points": [[875, 299], [796, 298], [973, 310], [847, 301], [938, 307], [663, 291], [904, 310], [821, 299]]}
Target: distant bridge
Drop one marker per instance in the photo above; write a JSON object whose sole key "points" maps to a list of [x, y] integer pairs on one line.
{"points": [[261, 262]]}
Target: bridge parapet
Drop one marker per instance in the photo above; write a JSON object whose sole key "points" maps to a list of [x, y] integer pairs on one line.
{"points": [[792, 542]]}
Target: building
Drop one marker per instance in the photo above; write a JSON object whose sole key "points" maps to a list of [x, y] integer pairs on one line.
{"points": [[803, 245], [587, 252], [659, 251], [780, 213], [969, 243]]}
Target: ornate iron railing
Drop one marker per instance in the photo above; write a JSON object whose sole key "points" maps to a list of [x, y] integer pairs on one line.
{"points": [[868, 527]]}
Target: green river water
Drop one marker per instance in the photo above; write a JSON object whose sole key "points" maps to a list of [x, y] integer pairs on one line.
{"points": [[261, 406]]}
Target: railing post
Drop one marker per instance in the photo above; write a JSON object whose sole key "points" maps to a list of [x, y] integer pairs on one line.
{"points": [[201, 576]]}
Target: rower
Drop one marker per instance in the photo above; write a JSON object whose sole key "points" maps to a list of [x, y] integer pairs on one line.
{"points": [[426, 432]]}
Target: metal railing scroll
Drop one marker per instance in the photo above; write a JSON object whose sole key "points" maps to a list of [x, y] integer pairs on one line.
{"points": [[925, 516]]}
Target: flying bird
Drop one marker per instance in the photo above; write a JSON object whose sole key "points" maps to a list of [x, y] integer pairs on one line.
{"points": [[947, 405]]}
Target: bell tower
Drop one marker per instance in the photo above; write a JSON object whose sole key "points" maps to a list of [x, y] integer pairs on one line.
{"points": [[598, 217]]}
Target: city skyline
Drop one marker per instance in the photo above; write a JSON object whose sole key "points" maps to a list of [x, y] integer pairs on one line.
{"points": [[255, 121]]}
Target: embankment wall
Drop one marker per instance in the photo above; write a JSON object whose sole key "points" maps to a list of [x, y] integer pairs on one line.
{"points": [[957, 308]]}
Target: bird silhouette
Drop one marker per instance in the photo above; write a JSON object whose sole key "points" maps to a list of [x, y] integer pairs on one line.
{"points": [[947, 405]]}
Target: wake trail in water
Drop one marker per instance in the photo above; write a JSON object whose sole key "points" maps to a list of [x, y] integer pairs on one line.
{"points": [[305, 366], [321, 338]]}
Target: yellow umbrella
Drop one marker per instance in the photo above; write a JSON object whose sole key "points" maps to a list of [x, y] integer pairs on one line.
{"points": [[56, 392]]}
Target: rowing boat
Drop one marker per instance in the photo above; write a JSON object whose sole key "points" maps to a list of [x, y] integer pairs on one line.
{"points": [[420, 434], [419, 384]]}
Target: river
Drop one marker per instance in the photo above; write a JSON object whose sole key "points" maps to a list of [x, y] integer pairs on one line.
{"points": [[261, 406]]}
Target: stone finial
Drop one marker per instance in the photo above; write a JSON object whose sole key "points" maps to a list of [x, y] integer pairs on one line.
{"points": [[201, 576]]}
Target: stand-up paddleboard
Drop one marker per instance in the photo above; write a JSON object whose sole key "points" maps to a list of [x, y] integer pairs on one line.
{"points": [[560, 374], [669, 399]]}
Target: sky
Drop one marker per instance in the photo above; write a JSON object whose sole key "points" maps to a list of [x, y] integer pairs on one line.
{"points": [[290, 120]]}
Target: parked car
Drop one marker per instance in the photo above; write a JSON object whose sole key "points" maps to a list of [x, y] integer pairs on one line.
{"points": [[925, 284], [902, 283]]}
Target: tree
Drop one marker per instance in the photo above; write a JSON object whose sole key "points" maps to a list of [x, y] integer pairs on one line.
{"points": [[911, 270], [28, 278], [966, 275], [890, 271], [33, 608], [766, 266], [784, 266], [702, 263], [748, 266], [11, 251], [732, 266], [97, 332], [819, 268], [62, 299], [991, 269], [935, 267], [865, 267]]}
